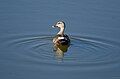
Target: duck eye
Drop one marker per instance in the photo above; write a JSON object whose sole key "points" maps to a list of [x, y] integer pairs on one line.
{"points": [[59, 23]]}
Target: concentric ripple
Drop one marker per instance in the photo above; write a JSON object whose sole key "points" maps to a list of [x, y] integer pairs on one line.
{"points": [[84, 51]]}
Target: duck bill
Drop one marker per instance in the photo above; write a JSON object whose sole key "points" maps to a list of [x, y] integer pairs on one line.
{"points": [[54, 26]]}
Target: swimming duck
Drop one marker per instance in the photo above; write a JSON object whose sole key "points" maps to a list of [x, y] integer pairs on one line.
{"points": [[61, 41]]}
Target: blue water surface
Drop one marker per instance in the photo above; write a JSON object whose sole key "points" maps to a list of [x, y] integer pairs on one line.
{"points": [[26, 48]]}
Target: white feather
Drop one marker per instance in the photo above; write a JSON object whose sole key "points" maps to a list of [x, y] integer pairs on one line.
{"points": [[61, 37]]}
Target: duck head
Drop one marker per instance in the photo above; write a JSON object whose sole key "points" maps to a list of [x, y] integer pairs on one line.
{"points": [[61, 26]]}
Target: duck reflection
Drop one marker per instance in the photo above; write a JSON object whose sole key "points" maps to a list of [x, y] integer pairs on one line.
{"points": [[61, 41]]}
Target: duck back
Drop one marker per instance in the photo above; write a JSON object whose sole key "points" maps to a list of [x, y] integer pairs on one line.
{"points": [[64, 40]]}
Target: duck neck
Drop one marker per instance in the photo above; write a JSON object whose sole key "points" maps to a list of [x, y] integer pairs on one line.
{"points": [[61, 32]]}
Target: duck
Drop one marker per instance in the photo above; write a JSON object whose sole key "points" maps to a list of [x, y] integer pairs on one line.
{"points": [[61, 40]]}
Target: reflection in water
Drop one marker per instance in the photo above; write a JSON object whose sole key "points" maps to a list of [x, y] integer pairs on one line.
{"points": [[84, 52], [60, 50]]}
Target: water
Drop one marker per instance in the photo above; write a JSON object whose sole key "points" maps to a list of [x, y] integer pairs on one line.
{"points": [[26, 48]]}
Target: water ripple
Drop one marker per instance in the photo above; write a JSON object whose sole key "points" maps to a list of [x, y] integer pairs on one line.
{"points": [[84, 52]]}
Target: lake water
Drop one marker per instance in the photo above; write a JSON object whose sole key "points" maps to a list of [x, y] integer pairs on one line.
{"points": [[26, 49]]}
